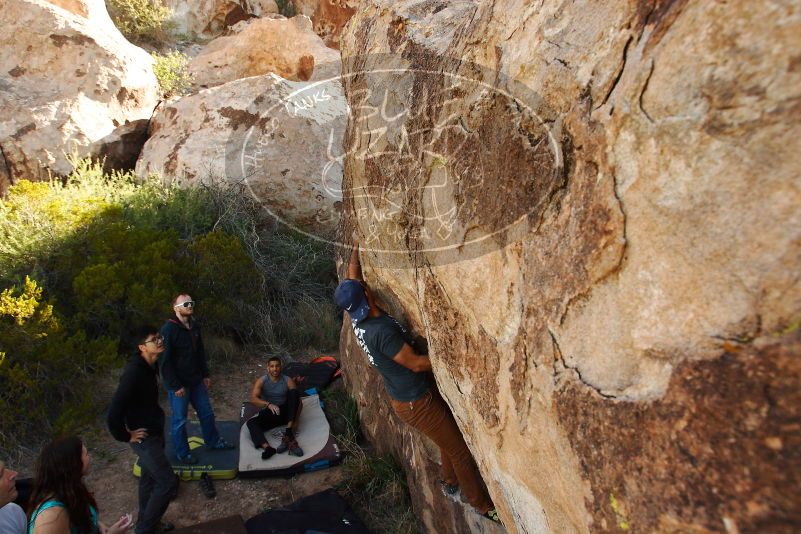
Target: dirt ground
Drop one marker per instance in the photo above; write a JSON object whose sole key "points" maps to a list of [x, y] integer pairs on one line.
{"points": [[115, 487]]}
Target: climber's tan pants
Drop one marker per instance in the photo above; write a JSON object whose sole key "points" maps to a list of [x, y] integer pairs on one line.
{"points": [[430, 415]]}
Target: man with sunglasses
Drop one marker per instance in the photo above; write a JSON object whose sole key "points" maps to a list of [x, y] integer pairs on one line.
{"points": [[136, 417], [186, 376]]}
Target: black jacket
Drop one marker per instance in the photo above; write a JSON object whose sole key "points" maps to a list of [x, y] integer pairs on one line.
{"points": [[183, 362], [136, 402]]}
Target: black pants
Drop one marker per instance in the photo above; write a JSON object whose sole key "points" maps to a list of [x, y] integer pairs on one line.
{"points": [[266, 419], [157, 484]]}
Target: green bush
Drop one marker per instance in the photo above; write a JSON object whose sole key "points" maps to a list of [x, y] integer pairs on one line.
{"points": [[84, 261], [140, 20], [42, 366], [172, 73]]}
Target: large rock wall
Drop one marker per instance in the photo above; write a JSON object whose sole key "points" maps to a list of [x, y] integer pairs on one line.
{"points": [[605, 264]]}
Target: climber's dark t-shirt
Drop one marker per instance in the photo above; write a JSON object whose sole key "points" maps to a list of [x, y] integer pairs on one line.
{"points": [[381, 338]]}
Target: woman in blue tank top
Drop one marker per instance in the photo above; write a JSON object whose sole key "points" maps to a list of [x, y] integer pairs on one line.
{"points": [[61, 503]]}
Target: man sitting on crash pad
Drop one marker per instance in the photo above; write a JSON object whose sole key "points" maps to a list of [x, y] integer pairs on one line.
{"points": [[279, 399]]}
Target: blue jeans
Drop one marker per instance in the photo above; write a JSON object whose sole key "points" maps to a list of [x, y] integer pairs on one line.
{"points": [[198, 396], [157, 483]]}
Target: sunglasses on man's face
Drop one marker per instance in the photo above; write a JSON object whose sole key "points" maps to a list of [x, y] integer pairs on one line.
{"points": [[187, 304]]}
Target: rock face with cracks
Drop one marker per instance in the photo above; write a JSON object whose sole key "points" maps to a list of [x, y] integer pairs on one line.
{"points": [[103, 82], [269, 134], [591, 212]]}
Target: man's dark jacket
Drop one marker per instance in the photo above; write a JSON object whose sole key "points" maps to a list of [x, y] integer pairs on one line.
{"points": [[136, 402], [183, 362]]}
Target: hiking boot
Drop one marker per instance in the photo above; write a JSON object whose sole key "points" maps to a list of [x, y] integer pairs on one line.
{"points": [[492, 515], [290, 443], [188, 459], [222, 445], [267, 453], [207, 486], [448, 489], [286, 439], [294, 448]]}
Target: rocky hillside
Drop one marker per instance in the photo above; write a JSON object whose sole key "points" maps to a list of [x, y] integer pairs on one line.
{"points": [[591, 212], [72, 84]]}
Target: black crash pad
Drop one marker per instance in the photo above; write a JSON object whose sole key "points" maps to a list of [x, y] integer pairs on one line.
{"points": [[323, 512], [227, 525]]}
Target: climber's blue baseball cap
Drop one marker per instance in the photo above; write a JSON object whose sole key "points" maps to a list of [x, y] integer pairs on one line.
{"points": [[351, 297]]}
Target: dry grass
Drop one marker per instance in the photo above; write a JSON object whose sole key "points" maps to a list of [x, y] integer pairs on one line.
{"points": [[375, 486]]}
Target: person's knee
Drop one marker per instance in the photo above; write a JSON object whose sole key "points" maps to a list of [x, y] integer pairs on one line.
{"points": [[178, 421], [166, 484], [201, 400], [461, 456], [203, 405], [174, 485], [293, 400]]}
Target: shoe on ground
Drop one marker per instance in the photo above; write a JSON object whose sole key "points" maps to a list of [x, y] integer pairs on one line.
{"points": [[207, 486], [222, 445], [449, 489], [492, 515], [294, 448], [190, 459], [267, 453], [284, 446], [164, 526]]}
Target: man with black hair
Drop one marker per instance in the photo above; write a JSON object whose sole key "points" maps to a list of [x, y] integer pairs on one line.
{"points": [[186, 376], [278, 396], [389, 348], [12, 516], [136, 417]]}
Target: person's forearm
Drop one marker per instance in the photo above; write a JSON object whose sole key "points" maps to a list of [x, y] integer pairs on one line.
{"points": [[115, 418], [257, 401], [423, 364], [168, 370], [204, 364], [354, 265], [116, 424]]}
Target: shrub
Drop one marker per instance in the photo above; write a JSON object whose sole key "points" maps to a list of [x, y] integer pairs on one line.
{"points": [[42, 367], [140, 20], [83, 261], [375, 485], [172, 73], [221, 266]]}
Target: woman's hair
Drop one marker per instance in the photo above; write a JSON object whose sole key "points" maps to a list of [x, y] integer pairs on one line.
{"points": [[59, 475]]}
